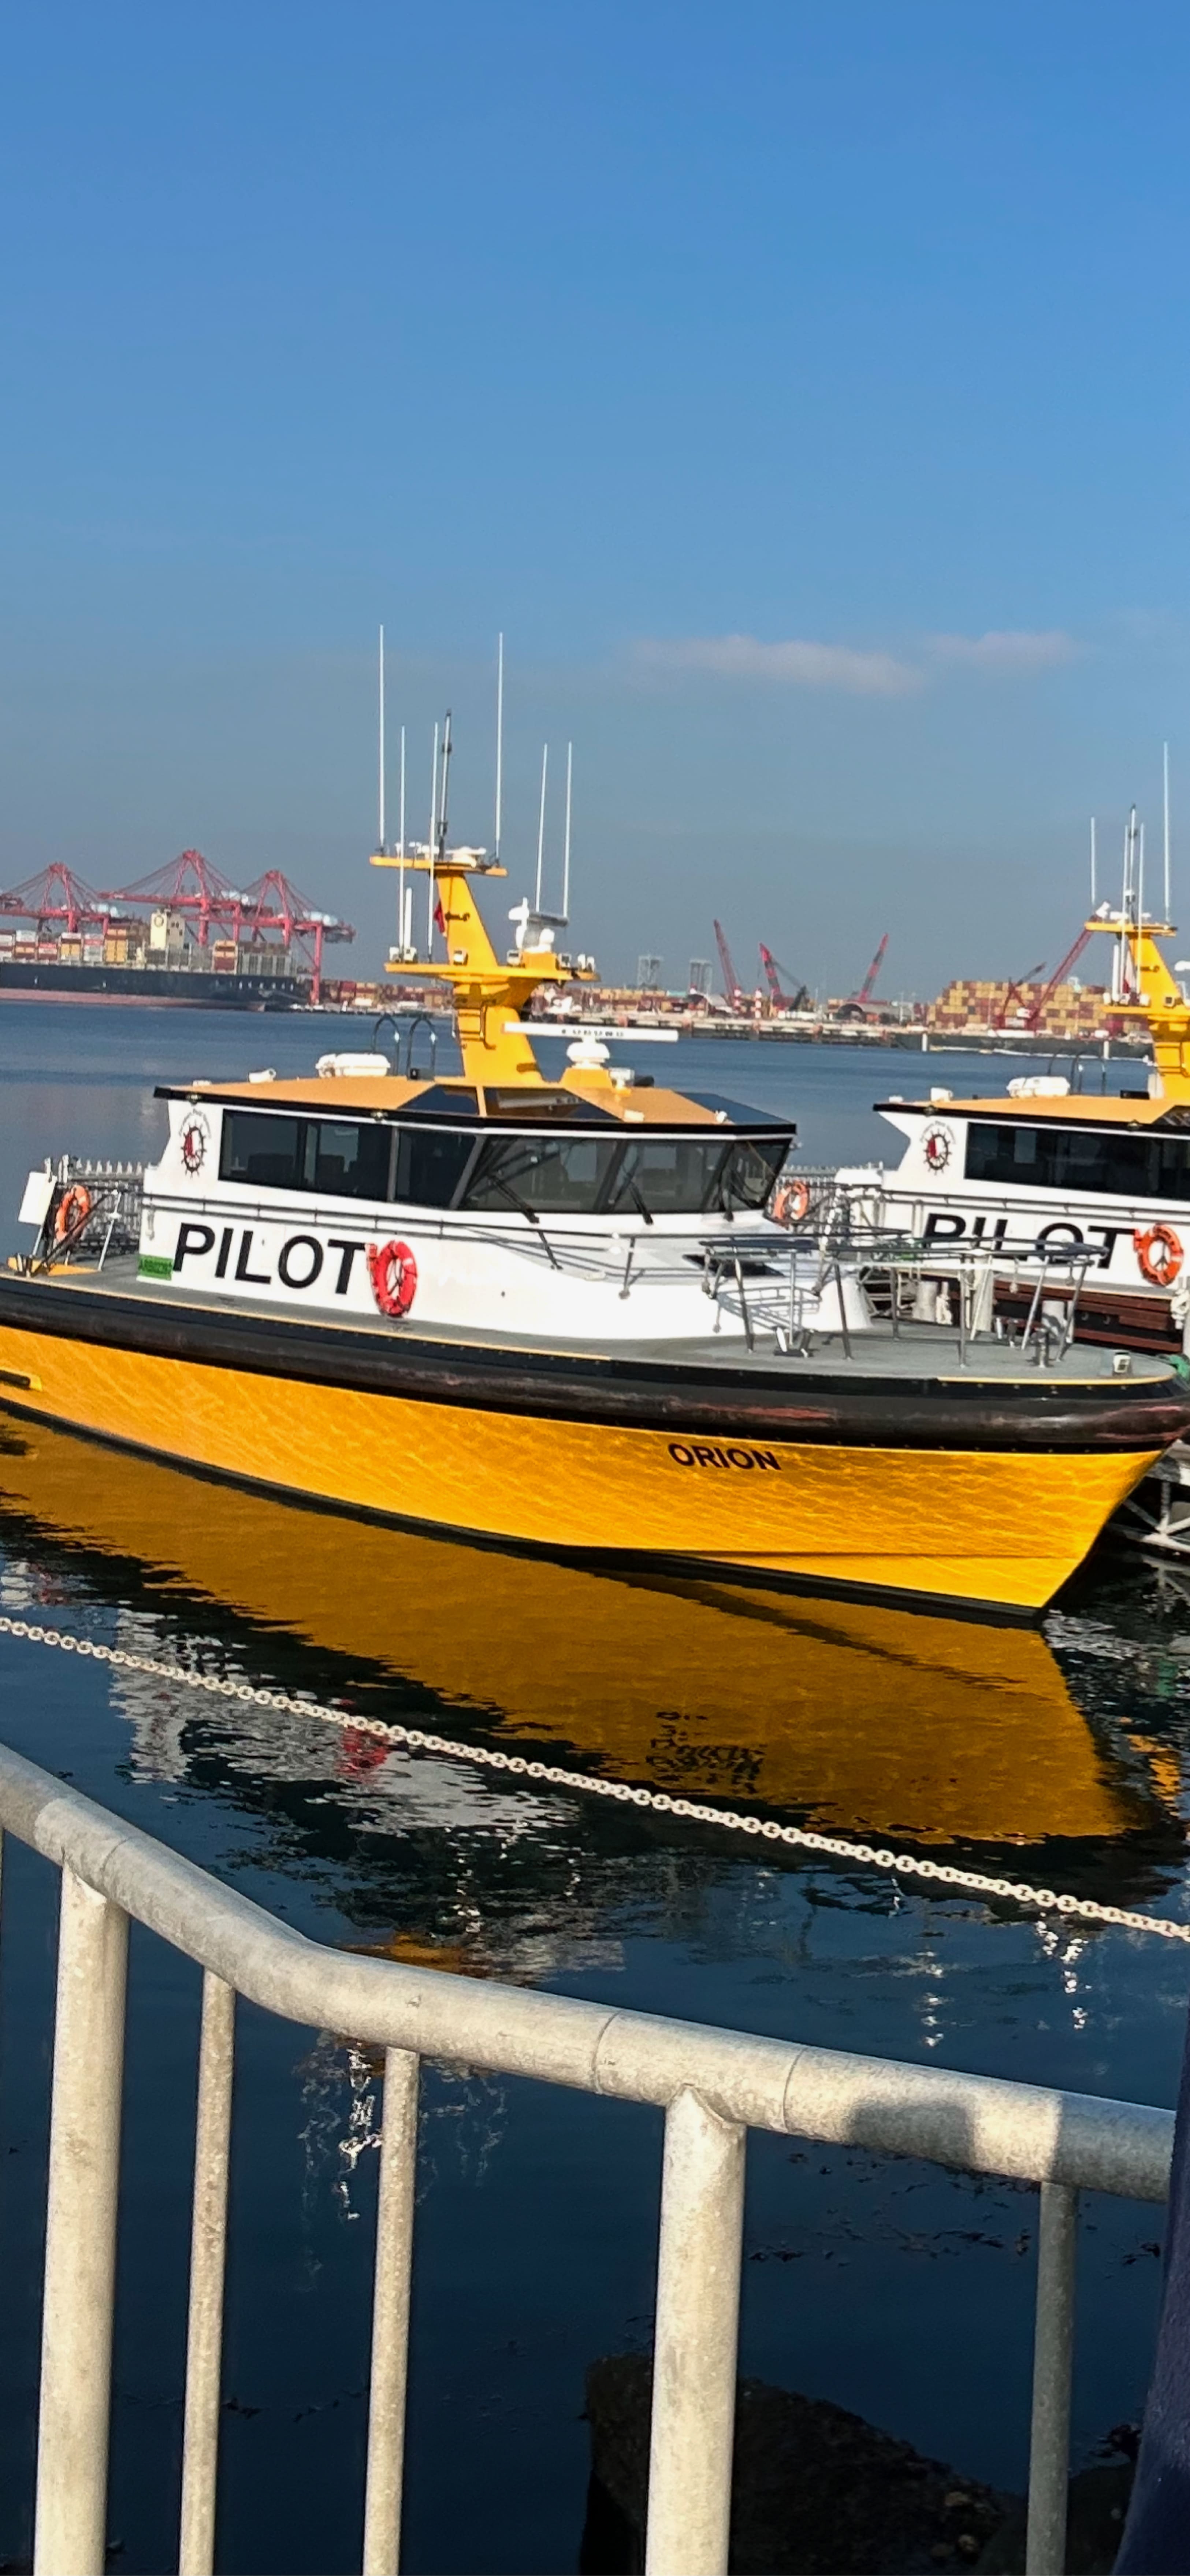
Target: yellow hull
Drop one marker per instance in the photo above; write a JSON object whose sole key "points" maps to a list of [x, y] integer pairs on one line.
{"points": [[862, 1717], [1000, 1529]]}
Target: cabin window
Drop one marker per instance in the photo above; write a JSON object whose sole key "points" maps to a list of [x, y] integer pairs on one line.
{"points": [[1133, 1164], [341, 1158], [753, 1169], [264, 1151], [693, 1175], [430, 1165], [558, 1175], [347, 1161]]}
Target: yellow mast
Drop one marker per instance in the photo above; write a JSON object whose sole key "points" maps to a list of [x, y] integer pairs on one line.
{"points": [[1144, 987], [490, 994]]}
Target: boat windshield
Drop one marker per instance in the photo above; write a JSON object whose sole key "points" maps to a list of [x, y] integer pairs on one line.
{"points": [[653, 1175], [433, 1165], [562, 1174], [684, 1176]]}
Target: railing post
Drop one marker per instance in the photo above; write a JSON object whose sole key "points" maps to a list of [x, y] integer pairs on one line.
{"points": [[208, 2256], [390, 2314], [1049, 2449], [80, 2245], [694, 2356]]}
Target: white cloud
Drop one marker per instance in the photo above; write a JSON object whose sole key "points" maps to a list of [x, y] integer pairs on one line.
{"points": [[800, 665], [1005, 650]]}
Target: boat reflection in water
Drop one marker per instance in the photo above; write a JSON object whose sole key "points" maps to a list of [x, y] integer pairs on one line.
{"points": [[857, 1719]]}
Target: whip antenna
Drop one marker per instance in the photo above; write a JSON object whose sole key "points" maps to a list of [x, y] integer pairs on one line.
{"points": [[499, 745], [382, 742], [566, 846], [545, 755]]}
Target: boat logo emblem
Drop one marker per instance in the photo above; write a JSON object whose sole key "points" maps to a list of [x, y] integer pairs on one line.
{"points": [[196, 1137], [938, 1146]]}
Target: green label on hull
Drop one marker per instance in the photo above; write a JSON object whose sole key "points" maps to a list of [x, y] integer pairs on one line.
{"points": [[155, 1265]]}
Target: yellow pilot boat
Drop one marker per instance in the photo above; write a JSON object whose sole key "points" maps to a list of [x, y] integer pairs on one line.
{"points": [[558, 1314]]}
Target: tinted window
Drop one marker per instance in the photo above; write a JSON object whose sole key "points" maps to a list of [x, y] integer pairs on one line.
{"points": [[439, 1102], [263, 1150], [542, 1104], [346, 1160], [564, 1174], [688, 1176], [339, 1157], [430, 1165], [752, 1170], [1131, 1164]]}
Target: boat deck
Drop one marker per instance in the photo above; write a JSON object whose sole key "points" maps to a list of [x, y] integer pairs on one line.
{"points": [[912, 1351]]}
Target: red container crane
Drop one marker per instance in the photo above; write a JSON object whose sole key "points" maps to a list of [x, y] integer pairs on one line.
{"points": [[733, 990], [796, 1000], [868, 986], [217, 909], [192, 887], [57, 895]]}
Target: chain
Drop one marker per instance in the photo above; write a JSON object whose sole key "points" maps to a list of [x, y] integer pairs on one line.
{"points": [[414, 1739]]}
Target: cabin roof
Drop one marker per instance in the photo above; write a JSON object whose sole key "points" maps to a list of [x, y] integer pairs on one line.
{"points": [[1074, 1109], [386, 1095]]}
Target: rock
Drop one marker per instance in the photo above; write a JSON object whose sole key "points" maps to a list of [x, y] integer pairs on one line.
{"points": [[1094, 2526], [816, 2490]]}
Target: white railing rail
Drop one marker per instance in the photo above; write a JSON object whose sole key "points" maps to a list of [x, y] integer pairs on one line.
{"points": [[713, 2086]]}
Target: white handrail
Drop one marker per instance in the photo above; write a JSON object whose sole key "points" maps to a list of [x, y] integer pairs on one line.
{"points": [[712, 2084]]}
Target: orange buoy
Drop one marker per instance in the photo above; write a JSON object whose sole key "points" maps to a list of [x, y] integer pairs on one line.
{"points": [[1159, 1252], [73, 1210], [791, 1202], [393, 1273]]}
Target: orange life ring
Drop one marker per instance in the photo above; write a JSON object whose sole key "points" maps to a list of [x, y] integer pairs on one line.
{"points": [[1159, 1252], [73, 1210], [393, 1273], [791, 1202]]}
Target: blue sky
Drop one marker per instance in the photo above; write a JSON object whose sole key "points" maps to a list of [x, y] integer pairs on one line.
{"points": [[804, 391]]}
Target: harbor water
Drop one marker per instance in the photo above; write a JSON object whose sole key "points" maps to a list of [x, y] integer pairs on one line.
{"points": [[1060, 1755]]}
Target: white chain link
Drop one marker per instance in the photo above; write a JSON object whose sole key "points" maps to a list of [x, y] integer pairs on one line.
{"points": [[974, 1882]]}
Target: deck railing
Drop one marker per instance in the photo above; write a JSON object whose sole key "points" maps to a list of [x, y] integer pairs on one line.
{"points": [[713, 2086]]}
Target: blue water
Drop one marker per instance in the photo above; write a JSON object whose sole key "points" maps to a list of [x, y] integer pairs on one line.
{"points": [[900, 2293]]}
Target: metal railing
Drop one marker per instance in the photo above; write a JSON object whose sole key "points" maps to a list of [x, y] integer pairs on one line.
{"points": [[713, 2086]]}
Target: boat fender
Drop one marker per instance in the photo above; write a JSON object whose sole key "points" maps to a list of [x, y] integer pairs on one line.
{"points": [[1159, 1252], [791, 1202], [73, 1210], [393, 1273]]}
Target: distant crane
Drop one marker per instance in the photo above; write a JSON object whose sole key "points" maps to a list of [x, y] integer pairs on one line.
{"points": [[1015, 993], [732, 988], [1059, 976], [796, 1000], [1034, 1003], [868, 986], [856, 1005]]}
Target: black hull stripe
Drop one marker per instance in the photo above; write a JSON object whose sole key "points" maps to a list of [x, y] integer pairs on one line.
{"points": [[677, 1397]]}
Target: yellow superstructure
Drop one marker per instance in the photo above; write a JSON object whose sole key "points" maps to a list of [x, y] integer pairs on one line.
{"points": [[489, 995], [1154, 994]]}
